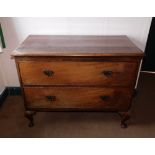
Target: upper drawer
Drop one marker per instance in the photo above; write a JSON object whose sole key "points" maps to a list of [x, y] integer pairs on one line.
{"points": [[78, 73]]}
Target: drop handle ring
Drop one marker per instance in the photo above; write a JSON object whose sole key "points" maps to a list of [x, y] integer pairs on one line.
{"points": [[107, 73], [48, 73], [51, 98], [105, 98]]}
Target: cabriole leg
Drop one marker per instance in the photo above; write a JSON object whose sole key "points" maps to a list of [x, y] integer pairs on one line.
{"points": [[124, 117], [29, 115]]}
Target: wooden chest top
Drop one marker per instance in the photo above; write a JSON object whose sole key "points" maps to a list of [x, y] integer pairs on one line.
{"points": [[63, 45]]}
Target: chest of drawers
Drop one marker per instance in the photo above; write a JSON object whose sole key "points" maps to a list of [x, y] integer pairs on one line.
{"points": [[77, 73]]}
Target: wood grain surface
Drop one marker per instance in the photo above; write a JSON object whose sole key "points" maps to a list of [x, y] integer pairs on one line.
{"points": [[88, 45]]}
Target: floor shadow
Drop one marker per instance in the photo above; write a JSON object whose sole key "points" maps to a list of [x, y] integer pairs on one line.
{"points": [[144, 103]]}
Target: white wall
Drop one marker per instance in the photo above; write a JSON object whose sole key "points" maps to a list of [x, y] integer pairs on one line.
{"points": [[17, 29]]}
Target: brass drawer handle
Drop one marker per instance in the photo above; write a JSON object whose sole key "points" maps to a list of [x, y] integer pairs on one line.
{"points": [[107, 73], [48, 72], [51, 98], [105, 98]]}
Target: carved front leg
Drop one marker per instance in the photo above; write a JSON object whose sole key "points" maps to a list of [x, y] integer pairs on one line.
{"points": [[29, 116], [124, 117]]}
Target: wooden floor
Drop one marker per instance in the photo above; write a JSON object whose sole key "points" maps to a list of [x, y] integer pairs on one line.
{"points": [[83, 124]]}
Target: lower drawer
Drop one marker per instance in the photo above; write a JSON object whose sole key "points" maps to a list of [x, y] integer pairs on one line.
{"points": [[77, 97]]}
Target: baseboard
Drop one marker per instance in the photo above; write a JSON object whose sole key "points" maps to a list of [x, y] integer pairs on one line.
{"points": [[148, 72], [13, 91], [9, 91]]}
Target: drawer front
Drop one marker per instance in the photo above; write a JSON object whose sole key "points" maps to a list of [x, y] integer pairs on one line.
{"points": [[77, 97], [77, 73]]}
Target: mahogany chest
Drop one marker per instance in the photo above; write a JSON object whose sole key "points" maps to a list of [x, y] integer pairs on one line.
{"points": [[77, 73]]}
